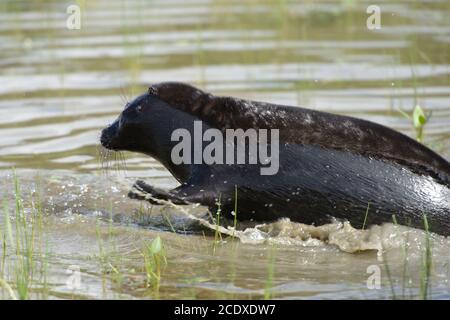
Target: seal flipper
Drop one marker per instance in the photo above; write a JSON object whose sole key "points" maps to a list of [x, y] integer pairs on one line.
{"points": [[150, 193], [185, 194]]}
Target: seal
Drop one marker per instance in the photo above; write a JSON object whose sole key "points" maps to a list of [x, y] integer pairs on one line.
{"points": [[330, 166]]}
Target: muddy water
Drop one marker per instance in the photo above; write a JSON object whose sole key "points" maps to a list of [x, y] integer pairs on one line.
{"points": [[59, 87]]}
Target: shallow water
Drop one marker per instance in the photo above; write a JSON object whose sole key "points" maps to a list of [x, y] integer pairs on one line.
{"points": [[59, 87]]}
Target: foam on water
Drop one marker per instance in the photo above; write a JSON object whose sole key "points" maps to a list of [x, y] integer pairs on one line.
{"points": [[80, 207], [341, 234]]}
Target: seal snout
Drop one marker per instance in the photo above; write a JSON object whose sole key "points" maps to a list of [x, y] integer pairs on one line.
{"points": [[108, 137]]}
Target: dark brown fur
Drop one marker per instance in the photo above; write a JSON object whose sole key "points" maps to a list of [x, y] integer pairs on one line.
{"points": [[306, 126], [329, 165]]}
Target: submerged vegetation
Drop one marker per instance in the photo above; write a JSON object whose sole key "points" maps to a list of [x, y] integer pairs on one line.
{"points": [[270, 274], [425, 276], [24, 262], [24, 268], [425, 283]]}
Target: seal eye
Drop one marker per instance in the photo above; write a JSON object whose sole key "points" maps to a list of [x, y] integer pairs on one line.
{"points": [[139, 108]]}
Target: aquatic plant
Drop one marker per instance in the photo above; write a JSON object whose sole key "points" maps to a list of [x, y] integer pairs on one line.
{"points": [[426, 266], [109, 257], [154, 261], [217, 233], [235, 212], [419, 119], [270, 274], [425, 279], [388, 273], [365, 216], [22, 250]]}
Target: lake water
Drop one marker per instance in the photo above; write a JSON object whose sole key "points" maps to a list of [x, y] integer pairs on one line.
{"points": [[60, 87]]}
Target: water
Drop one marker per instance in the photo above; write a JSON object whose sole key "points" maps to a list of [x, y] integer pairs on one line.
{"points": [[59, 87]]}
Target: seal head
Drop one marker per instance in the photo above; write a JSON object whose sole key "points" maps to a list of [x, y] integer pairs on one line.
{"points": [[147, 123]]}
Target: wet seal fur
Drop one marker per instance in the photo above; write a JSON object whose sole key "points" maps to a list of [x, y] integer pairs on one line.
{"points": [[330, 165]]}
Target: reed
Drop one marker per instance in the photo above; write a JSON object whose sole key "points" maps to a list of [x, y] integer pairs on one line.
{"points": [[155, 260], [22, 250], [268, 294]]}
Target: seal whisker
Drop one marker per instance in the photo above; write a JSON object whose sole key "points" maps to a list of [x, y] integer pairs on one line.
{"points": [[100, 152], [103, 158], [116, 165], [123, 96], [121, 161]]}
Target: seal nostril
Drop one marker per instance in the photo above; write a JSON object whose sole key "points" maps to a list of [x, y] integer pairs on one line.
{"points": [[105, 139]]}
